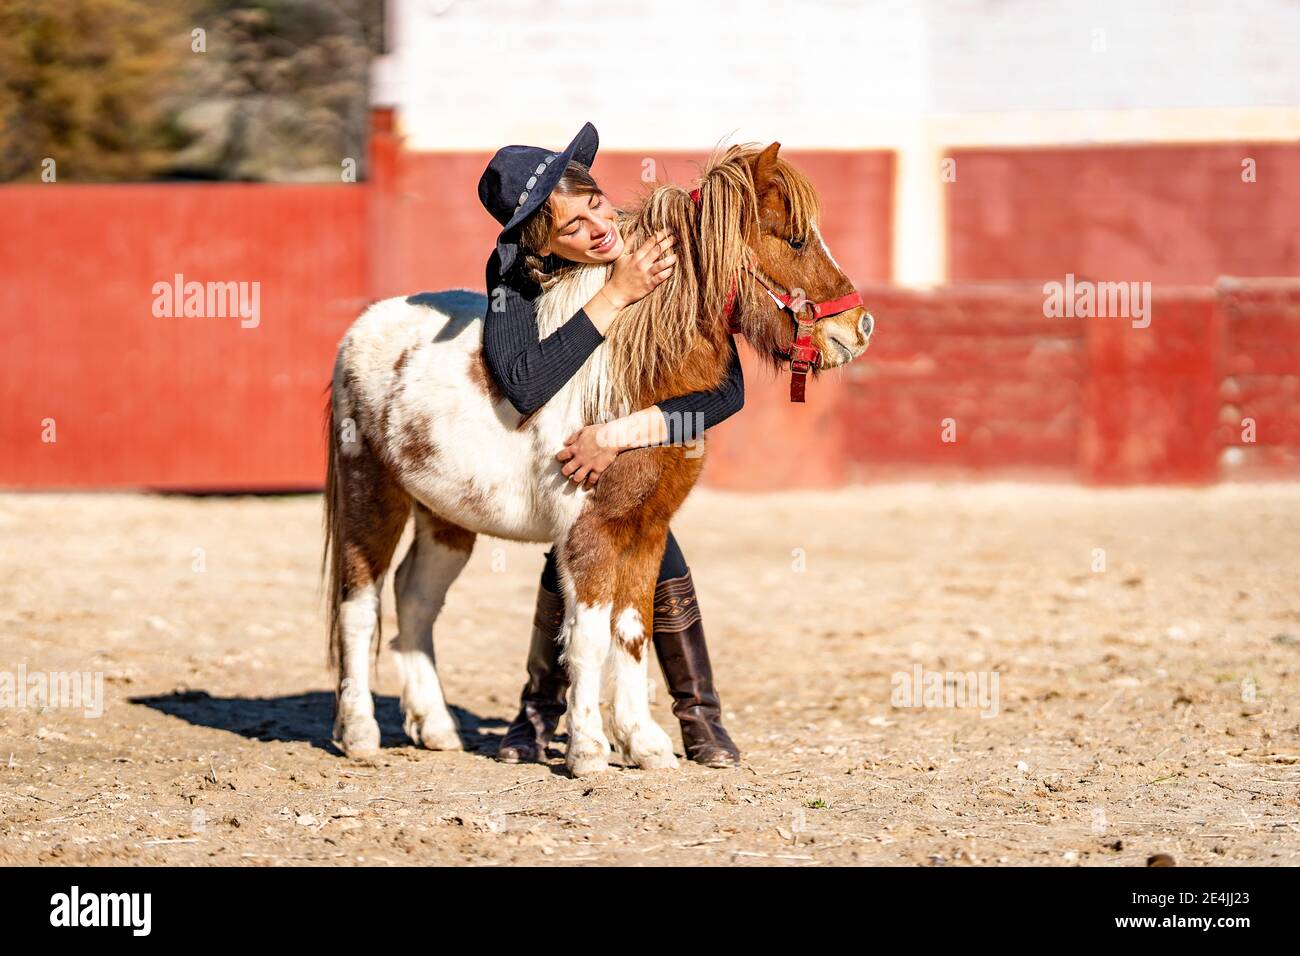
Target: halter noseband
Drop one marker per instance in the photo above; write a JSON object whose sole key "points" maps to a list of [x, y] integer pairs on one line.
{"points": [[803, 355]]}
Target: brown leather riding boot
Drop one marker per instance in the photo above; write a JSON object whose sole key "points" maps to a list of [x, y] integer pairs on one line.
{"points": [[541, 704], [684, 657]]}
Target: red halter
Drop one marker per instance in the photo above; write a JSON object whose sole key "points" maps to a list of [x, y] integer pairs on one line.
{"points": [[803, 355]]}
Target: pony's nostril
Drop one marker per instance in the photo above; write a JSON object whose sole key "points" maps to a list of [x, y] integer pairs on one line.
{"points": [[867, 324]]}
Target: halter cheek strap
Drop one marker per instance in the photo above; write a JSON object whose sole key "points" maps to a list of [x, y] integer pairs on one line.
{"points": [[803, 355]]}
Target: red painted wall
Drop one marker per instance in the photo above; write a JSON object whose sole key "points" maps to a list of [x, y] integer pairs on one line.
{"points": [[1163, 214], [193, 403], [1097, 399], [983, 356], [1259, 377], [1150, 404]]}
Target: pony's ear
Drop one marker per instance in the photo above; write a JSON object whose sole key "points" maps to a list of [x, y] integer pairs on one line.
{"points": [[770, 204], [765, 168]]}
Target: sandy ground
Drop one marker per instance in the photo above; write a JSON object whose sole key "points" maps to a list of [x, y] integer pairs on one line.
{"points": [[1147, 707]]}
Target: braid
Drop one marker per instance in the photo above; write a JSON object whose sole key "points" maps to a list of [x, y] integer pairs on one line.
{"points": [[545, 271]]}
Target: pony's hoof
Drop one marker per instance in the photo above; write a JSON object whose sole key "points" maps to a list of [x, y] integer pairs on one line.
{"points": [[441, 740], [655, 761], [587, 766], [425, 733], [360, 738], [650, 749]]}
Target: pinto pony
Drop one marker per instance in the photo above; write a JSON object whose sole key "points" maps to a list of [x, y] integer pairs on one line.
{"points": [[417, 424]]}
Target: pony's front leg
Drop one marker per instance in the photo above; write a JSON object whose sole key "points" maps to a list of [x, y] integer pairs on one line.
{"points": [[641, 740], [585, 636]]}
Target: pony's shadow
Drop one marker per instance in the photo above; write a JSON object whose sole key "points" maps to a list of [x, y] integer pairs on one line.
{"points": [[306, 718], [463, 307]]}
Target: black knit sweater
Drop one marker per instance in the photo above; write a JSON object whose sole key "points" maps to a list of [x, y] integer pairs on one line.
{"points": [[530, 371]]}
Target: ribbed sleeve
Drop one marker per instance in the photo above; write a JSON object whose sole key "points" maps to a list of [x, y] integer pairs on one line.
{"points": [[530, 371]]}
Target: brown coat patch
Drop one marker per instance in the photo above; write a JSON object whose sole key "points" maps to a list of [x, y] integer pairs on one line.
{"points": [[417, 446], [446, 533], [481, 376], [473, 498]]}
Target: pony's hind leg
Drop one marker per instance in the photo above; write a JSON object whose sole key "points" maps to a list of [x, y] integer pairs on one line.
{"points": [[438, 554], [365, 512], [633, 729]]}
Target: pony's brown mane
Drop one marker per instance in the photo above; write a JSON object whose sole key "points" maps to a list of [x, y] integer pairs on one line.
{"points": [[673, 342]]}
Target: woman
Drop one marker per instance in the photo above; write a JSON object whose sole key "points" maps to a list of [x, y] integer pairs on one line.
{"points": [[553, 215]]}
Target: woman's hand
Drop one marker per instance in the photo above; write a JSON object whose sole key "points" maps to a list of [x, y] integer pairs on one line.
{"points": [[592, 449], [588, 453], [637, 274]]}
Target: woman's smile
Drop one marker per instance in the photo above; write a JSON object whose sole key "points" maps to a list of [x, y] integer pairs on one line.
{"points": [[606, 245]]}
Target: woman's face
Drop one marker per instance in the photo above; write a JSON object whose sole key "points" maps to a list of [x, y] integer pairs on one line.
{"points": [[585, 229]]}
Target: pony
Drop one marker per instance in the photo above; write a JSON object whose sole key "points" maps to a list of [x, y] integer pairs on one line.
{"points": [[418, 426]]}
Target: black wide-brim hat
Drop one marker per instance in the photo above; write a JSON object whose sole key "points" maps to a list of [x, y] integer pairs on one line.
{"points": [[520, 178]]}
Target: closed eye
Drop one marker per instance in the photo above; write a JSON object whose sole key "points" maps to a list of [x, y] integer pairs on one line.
{"points": [[595, 202]]}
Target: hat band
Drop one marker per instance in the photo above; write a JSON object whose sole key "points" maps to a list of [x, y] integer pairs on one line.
{"points": [[532, 181]]}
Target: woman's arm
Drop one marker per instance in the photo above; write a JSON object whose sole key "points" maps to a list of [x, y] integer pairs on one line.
{"points": [[676, 421], [530, 371]]}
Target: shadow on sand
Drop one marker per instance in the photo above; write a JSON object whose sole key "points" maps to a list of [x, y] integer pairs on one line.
{"points": [[306, 718]]}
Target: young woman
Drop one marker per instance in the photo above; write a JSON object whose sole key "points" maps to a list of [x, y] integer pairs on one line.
{"points": [[553, 215]]}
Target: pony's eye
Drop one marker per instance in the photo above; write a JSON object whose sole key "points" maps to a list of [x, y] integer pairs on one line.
{"points": [[795, 243]]}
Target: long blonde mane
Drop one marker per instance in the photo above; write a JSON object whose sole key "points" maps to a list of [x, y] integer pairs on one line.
{"points": [[651, 341]]}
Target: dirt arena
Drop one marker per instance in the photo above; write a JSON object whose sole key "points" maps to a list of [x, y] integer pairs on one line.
{"points": [[1149, 707]]}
